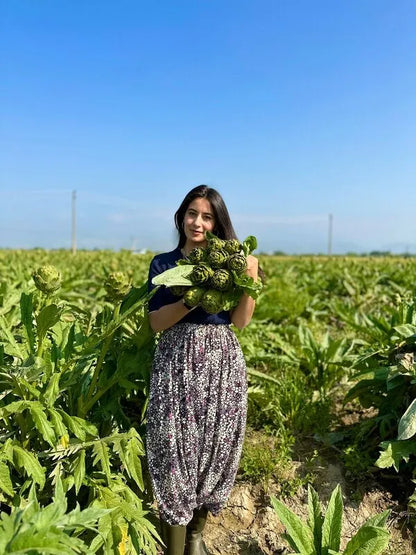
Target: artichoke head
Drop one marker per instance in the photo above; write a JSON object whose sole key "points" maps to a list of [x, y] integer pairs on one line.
{"points": [[211, 301], [196, 255], [215, 243], [200, 274], [47, 279], [221, 280], [117, 285], [237, 263], [217, 259], [194, 295], [232, 246]]}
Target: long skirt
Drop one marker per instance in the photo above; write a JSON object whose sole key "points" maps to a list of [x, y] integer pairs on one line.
{"points": [[196, 419]]}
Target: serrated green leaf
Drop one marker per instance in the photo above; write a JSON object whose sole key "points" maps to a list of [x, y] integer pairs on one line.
{"points": [[394, 451], [42, 424], [300, 533], [5, 480], [47, 318], [332, 525], [369, 540], [79, 470], [52, 391], [102, 458], [78, 426], [57, 422], [315, 517], [26, 312], [27, 461]]}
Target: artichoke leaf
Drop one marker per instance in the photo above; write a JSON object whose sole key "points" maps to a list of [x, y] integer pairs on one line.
{"points": [[249, 245], [174, 276], [247, 283]]}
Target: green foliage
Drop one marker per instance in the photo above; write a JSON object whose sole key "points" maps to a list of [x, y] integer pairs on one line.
{"points": [[321, 533], [67, 368], [49, 529]]}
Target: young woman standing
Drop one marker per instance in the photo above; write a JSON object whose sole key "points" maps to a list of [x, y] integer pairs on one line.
{"points": [[198, 399]]}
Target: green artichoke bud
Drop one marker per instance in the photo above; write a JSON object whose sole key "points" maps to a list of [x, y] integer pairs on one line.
{"points": [[201, 274], [196, 255], [217, 259], [178, 290], [237, 263], [211, 301], [221, 280], [47, 279], [232, 246], [117, 285], [194, 295], [215, 243]]}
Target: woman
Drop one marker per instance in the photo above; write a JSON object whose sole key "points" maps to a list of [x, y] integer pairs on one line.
{"points": [[197, 406]]}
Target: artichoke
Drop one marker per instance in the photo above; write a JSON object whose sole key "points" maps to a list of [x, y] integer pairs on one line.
{"points": [[200, 274], [215, 243], [221, 280], [117, 286], [196, 255], [217, 259], [211, 301], [193, 295], [47, 279], [178, 290], [232, 246], [237, 263]]}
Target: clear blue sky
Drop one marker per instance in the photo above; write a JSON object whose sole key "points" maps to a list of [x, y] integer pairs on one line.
{"points": [[291, 109]]}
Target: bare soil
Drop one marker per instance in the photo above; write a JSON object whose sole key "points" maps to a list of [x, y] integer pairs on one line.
{"points": [[249, 526]]}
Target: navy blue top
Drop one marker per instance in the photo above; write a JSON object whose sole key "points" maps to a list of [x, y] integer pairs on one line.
{"points": [[163, 295]]}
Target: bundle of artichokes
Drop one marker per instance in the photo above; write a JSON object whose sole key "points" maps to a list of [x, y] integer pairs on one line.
{"points": [[213, 277]]}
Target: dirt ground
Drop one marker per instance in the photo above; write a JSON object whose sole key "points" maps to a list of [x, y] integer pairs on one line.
{"points": [[249, 526]]}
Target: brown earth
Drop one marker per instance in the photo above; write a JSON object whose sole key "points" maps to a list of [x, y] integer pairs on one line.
{"points": [[249, 526]]}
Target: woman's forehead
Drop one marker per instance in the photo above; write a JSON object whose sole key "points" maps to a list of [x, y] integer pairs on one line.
{"points": [[202, 205]]}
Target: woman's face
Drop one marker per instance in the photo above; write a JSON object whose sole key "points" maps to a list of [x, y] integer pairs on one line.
{"points": [[199, 218]]}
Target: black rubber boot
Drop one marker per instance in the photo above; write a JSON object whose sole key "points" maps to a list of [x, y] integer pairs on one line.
{"points": [[194, 543], [173, 537]]}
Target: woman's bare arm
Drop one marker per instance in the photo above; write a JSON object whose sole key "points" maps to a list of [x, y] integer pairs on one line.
{"points": [[243, 312], [167, 315]]}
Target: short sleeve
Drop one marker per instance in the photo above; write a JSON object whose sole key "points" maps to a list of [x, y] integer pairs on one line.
{"points": [[163, 295]]}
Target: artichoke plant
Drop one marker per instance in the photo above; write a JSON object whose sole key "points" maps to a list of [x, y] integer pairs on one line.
{"points": [[193, 295], [117, 285], [217, 259], [201, 274], [221, 280], [237, 263], [211, 301], [214, 243], [47, 279], [214, 277], [196, 255], [232, 246]]}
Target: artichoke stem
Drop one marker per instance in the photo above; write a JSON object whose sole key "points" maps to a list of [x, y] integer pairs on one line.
{"points": [[87, 405]]}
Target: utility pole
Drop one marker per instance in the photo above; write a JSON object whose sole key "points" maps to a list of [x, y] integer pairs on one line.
{"points": [[330, 219], [74, 224]]}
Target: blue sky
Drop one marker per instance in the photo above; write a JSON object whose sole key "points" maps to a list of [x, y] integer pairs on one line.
{"points": [[291, 109]]}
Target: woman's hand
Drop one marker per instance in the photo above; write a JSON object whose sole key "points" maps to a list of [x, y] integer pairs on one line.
{"points": [[242, 313], [252, 267]]}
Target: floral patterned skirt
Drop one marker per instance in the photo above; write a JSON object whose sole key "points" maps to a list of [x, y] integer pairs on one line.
{"points": [[196, 419]]}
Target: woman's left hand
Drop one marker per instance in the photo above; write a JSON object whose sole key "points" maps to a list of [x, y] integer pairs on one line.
{"points": [[252, 267]]}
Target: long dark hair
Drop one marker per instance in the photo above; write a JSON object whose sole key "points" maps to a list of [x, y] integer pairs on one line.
{"points": [[223, 226]]}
